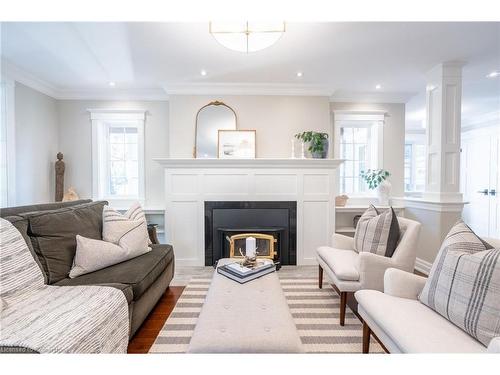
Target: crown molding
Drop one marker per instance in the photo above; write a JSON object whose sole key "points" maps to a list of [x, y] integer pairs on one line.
{"points": [[482, 121], [17, 74], [247, 89], [146, 94], [340, 96]]}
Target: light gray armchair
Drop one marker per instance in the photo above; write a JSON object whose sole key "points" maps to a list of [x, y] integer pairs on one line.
{"points": [[350, 271]]}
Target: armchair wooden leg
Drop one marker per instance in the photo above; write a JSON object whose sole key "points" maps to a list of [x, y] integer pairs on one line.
{"points": [[320, 277], [343, 303], [366, 338]]}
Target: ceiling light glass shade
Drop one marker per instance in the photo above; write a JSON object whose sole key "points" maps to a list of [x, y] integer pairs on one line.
{"points": [[247, 36]]}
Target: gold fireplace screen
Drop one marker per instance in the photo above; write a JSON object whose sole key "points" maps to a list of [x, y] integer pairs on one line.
{"points": [[264, 242]]}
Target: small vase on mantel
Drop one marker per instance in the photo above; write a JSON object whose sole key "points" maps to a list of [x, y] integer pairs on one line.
{"points": [[384, 193]]}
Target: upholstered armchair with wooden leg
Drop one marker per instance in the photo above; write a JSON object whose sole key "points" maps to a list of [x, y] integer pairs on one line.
{"points": [[350, 271]]}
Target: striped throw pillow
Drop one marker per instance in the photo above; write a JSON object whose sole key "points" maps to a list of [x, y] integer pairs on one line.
{"points": [[128, 230], [377, 232], [464, 284]]}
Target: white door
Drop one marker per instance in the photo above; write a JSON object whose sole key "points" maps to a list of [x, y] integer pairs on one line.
{"points": [[494, 188], [480, 181]]}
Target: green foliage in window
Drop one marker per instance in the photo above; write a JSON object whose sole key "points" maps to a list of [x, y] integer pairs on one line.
{"points": [[374, 177]]}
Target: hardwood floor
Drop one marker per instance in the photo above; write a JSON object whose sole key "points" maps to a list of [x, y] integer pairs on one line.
{"points": [[146, 335]]}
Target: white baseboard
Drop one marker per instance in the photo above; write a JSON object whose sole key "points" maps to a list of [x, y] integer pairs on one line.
{"points": [[423, 266]]}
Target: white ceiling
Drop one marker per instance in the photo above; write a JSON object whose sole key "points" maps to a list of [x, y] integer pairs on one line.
{"points": [[343, 60]]}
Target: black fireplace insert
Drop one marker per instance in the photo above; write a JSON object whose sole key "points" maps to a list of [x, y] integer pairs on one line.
{"points": [[226, 218]]}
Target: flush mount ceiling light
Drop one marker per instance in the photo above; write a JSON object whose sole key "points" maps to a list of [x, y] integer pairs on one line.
{"points": [[247, 36], [494, 74], [112, 84], [378, 87], [299, 74], [203, 72]]}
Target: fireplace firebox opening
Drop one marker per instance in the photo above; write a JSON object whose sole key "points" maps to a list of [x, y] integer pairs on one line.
{"points": [[273, 224]]}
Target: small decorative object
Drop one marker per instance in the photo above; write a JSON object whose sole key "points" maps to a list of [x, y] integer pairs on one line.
{"points": [[251, 247], [355, 220], [250, 257], [341, 200], [302, 150], [377, 179], [318, 143], [70, 195], [60, 167], [293, 149], [236, 144]]}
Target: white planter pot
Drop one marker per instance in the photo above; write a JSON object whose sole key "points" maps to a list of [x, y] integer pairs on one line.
{"points": [[384, 193]]}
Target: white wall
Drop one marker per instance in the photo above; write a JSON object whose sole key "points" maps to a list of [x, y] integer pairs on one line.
{"points": [[48, 126], [394, 138], [37, 140], [76, 143], [276, 119]]}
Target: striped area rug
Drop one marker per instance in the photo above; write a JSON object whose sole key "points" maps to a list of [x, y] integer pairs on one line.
{"points": [[315, 312]]}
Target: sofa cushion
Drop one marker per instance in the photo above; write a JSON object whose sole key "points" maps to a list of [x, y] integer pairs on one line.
{"points": [[53, 235], [464, 284], [126, 289], [342, 262], [138, 272], [413, 327], [377, 233], [17, 210]]}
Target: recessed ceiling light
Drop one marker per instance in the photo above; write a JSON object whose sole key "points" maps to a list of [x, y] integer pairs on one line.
{"points": [[378, 87], [112, 84], [203, 72], [299, 74], [494, 74]]}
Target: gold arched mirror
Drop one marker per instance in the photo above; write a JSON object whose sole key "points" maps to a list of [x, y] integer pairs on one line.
{"points": [[210, 119]]}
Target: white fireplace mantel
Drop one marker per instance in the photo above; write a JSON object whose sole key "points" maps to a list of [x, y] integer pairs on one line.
{"points": [[250, 163], [189, 183]]}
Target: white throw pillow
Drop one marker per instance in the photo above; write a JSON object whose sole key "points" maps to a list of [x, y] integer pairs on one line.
{"points": [[92, 255], [127, 230]]}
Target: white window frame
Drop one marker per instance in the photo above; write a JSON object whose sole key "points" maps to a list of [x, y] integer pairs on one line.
{"points": [[101, 120], [9, 85], [358, 119]]}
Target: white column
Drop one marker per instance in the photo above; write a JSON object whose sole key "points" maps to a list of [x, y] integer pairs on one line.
{"points": [[444, 102]]}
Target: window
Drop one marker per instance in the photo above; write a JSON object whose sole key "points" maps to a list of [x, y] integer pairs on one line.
{"points": [[414, 165], [354, 148], [358, 138], [118, 155]]}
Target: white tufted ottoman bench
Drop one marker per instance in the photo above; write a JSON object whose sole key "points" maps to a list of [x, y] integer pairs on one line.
{"points": [[245, 318]]}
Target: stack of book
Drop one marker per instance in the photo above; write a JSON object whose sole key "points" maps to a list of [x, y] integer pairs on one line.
{"points": [[237, 272]]}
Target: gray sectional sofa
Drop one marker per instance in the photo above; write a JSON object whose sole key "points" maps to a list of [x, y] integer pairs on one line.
{"points": [[50, 230]]}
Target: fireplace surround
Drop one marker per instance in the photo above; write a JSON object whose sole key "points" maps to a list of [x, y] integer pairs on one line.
{"points": [[226, 218], [189, 183]]}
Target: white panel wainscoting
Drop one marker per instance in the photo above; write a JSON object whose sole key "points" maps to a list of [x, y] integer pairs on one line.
{"points": [[191, 182]]}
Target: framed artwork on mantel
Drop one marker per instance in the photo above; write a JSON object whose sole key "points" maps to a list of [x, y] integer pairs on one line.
{"points": [[236, 144]]}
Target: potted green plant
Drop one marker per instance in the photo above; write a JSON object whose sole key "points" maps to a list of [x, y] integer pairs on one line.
{"points": [[378, 179], [317, 143]]}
